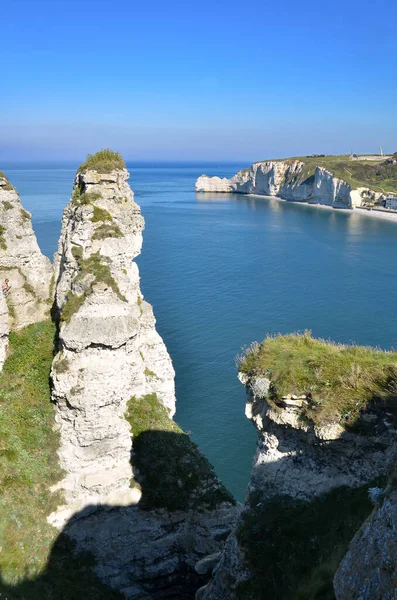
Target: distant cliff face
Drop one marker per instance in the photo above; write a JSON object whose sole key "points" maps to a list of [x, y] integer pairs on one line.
{"points": [[291, 180], [308, 492], [21, 262], [139, 496]]}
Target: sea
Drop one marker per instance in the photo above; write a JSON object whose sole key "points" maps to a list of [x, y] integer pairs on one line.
{"points": [[222, 271]]}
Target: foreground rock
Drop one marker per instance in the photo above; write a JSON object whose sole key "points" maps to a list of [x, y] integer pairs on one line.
{"points": [[21, 262], [308, 492], [291, 179], [369, 569], [139, 495]]}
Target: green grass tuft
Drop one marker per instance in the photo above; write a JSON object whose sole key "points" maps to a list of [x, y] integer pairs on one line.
{"points": [[100, 273], [8, 186], [3, 244], [103, 161], [173, 473], [7, 205], [342, 381], [26, 216], [100, 215], [107, 231], [149, 372]]}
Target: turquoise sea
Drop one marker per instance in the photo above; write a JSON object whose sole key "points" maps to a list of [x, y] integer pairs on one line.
{"points": [[222, 271]]}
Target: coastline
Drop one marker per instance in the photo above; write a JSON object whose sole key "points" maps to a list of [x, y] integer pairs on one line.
{"points": [[376, 214]]}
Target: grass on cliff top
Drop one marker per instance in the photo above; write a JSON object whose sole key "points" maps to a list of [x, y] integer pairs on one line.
{"points": [[343, 380], [103, 161], [173, 473], [380, 177], [8, 186], [293, 548], [36, 563]]}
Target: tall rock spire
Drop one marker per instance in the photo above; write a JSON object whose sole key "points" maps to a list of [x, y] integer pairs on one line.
{"points": [[109, 350]]}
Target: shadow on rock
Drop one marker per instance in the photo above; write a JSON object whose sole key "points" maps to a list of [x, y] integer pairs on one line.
{"points": [[148, 551]]}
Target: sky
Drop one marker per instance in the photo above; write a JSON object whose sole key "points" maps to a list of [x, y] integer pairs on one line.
{"points": [[209, 80]]}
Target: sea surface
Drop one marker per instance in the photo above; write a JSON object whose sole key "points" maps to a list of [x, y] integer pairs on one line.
{"points": [[224, 270]]}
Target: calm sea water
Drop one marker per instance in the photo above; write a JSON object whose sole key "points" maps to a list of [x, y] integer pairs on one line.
{"points": [[222, 271]]}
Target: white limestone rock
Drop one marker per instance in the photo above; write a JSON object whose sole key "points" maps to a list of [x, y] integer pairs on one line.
{"points": [[285, 179], [369, 569], [109, 349], [28, 271]]}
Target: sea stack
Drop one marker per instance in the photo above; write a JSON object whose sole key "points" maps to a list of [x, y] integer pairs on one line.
{"points": [[109, 350]]}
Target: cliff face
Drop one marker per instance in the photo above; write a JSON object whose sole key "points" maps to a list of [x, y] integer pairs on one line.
{"points": [[109, 350], [369, 569], [308, 495], [28, 271], [139, 495], [290, 180]]}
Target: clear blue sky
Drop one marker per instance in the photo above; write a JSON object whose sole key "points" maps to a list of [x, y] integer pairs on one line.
{"points": [[197, 80]]}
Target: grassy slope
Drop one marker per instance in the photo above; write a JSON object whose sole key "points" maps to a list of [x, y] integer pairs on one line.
{"points": [[380, 177], [343, 380], [173, 472], [294, 548], [28, 466]]}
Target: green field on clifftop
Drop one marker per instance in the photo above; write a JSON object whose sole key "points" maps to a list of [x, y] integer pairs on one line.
{"points": [[342, 382]]}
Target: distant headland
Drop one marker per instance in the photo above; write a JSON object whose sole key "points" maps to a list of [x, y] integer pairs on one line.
{"points": [[346, 181]]}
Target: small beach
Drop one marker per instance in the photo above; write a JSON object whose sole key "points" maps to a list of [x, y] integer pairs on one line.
{"points": [[373, 214]]}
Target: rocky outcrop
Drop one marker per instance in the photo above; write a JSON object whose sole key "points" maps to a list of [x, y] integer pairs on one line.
{"points": [[289, 179], [4, 329], [369, 569], [296, 463], [21, 262], [113, 370], [109, 349]]}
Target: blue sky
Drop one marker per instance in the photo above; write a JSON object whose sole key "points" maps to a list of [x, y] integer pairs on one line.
{"points": [[210, 80]]}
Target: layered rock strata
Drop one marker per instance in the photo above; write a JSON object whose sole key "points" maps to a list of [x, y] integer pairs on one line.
{"points": [[21, 262], [300, 461], [111, 361], [285, 179], [109, 349]]}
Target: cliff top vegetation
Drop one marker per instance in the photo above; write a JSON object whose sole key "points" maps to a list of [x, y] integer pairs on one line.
{"points": [[104, 161], [8, 186], [341, 382], [378, 176]]}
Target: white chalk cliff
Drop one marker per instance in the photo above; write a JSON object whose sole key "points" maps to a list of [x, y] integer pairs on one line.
{"points": [[21, 261], [286, 179], [110, 354], [109, 349]]}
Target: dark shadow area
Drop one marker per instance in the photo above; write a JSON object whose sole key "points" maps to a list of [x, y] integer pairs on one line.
{"points": [[147, 551], [294, 545]]}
